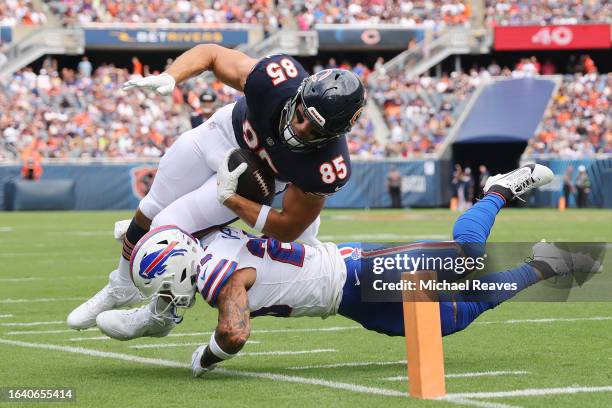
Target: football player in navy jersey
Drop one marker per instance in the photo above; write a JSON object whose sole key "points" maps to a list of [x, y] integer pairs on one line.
{"points": [[294, 122]]}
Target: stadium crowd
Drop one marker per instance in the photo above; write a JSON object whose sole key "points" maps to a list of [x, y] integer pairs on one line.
{"points": [[304, 15], [517, 12], [578, 123], [420, 111], [14, 12], [82, 112], [79, 113], [163, 11]]}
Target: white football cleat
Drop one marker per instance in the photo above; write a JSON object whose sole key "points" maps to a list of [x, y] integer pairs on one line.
{"points": [[110, 297], [518, 182], [564, 262], [135, 323], [196, 365]]}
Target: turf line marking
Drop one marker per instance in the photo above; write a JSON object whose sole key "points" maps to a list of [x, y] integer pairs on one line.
{"points": [[18, 332], [287, 353], [549, 320], [38, 278], [531, 392], [261, 331], [467, 375], [168, 345], [234, 373], [475, 403], [20, 279], [381, 237], [7, 301], [353, 364], [2, 316], [20, 324]]}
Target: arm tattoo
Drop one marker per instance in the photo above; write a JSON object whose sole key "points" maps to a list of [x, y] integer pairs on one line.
{"points": [[234, 325]]}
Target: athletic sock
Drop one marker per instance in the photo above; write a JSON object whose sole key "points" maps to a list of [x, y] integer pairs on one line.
{"points": [[473, 227], [132, 236], [469, 307]]}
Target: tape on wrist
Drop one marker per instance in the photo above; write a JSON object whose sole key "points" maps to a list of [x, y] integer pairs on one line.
{"points": [[217, 351], [262, 217]]}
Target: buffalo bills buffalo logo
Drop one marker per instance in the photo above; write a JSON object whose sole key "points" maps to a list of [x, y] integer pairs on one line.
{"points": [[154, 263]]}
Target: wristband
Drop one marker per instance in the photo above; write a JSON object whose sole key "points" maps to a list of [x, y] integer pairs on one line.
{"points": [[262, 217], [217, 351]]}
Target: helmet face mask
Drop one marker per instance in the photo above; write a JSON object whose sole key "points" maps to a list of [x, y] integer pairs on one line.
{"points": [[164, 265], [332, 100]]}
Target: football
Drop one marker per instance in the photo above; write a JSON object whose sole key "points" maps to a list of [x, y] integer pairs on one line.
{"points": [[257, 182]]}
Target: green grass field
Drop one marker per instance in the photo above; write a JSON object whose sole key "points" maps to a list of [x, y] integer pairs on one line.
{"points": [[51, 262]]}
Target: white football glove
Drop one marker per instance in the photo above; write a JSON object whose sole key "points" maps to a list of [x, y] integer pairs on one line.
{"points": [[227, 181], [162, 84], [196, 367]]}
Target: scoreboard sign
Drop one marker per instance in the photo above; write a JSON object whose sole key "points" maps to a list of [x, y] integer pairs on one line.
{"points": [[555, 37]]}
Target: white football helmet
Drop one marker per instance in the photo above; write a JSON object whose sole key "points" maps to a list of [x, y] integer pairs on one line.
{"points": [[165, 263]]}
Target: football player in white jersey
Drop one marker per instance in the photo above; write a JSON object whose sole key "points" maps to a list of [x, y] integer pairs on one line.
{"points": [[245, 276]]}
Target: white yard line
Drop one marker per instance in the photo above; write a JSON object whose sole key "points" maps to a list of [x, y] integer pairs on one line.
{"points": [[24, 324], [480, 404], [467, 375], [170, 345], [37, 300], [530, 392], [548, 320], [51, 279], [287, 353], [234, 373], [381, 237], [262, 331], [351, 364], [21, 332], [3, 316]]}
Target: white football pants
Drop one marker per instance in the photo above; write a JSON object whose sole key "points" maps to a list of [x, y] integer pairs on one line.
{"points": [[184, 191]]}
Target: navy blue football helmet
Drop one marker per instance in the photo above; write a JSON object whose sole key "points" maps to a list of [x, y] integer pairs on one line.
{"points": [[333, 100]]}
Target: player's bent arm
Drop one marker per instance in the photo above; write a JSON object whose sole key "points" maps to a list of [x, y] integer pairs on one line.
{"points": [[230, 66], [234, 324], [299, 210]]}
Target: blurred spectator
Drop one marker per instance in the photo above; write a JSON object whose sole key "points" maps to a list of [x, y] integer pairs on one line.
{"points": [[85, 67], [136, 67], [549, 68], [583, 187], [567, 184], [465, 191], [457, 175], [482, 177], [32, 169], [394, 187], [203, 107]]}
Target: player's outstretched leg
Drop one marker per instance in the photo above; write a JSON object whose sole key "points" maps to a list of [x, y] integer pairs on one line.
{"points": [[144, 321], [548, 261], [120, 291], [473, 227]]}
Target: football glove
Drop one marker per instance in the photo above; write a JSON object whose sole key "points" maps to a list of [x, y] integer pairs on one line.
{"points": [[227, 181], [162, 84], [196, 367]]}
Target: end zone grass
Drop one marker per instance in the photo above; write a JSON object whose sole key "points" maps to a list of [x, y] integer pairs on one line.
{"points": [[50, 262]]}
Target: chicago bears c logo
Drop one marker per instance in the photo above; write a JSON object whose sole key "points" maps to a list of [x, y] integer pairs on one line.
{"points": [[142, 179], [155, 263]]}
